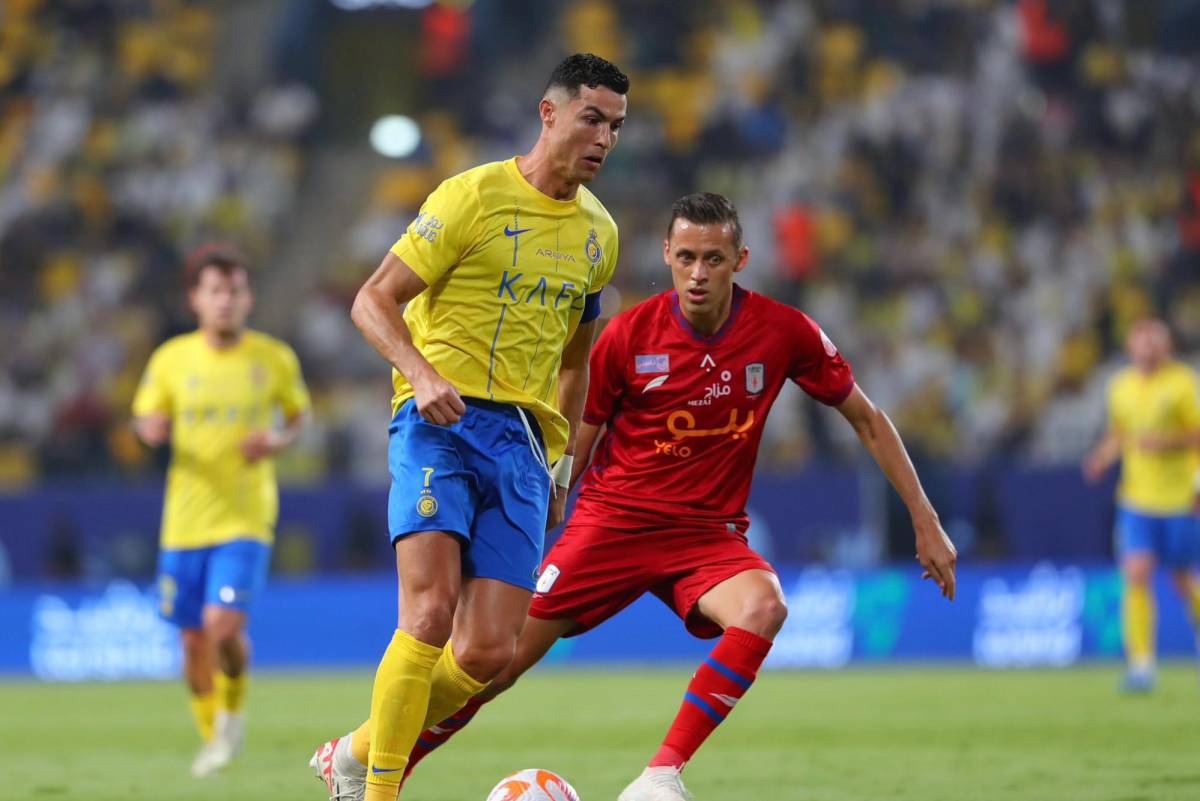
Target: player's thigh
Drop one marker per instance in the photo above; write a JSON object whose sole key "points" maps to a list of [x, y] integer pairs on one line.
{"points": [[431, 490], [593, 573], [237, 576], [509, 530], [181, 585], [1137, 545], [701, 561], [752, 599], [1180, 550]]}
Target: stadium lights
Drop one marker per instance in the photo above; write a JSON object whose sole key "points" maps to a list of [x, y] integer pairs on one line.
{"points": [[395, 136]]}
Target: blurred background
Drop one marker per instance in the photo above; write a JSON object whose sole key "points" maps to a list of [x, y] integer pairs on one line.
{"points": [[975, 198]]}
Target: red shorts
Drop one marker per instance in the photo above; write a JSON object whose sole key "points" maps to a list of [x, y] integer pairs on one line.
{"points": [[592, 573]]}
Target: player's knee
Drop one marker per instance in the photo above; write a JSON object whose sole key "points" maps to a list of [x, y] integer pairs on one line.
{"points": [[487, 661], [763, 615], [429, 620], [195, 641]]}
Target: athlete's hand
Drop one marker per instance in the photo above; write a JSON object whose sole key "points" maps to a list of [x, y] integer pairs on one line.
{"points": [[437, 399], [558, 509], [153, 429], [260, 444], [1156, 443], [936, 553]]}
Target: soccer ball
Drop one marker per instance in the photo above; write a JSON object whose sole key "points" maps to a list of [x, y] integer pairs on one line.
{"points": [[533, 784]]}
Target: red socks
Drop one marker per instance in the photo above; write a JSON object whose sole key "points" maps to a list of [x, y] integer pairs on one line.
{"points": [[435, 736], [719, 683]]}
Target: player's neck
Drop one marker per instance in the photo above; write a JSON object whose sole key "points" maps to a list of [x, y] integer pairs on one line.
{"points": [[221, 340], [1151, 368], [709, 324], [538, 169]]}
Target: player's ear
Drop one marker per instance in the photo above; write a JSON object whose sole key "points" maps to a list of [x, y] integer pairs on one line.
{"points": [[667, 252], [547, 111], [742, 260]]}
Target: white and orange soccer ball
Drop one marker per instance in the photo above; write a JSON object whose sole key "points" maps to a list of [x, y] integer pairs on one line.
{"points": [[533, 784]]}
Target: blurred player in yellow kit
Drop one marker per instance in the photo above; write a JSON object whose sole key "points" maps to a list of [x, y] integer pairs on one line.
{"points": [[1154, 430], [217, 395]]}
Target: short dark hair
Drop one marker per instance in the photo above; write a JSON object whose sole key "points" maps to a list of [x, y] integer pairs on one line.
{"points": [[221, 256], [706, 208], [586, 69]]}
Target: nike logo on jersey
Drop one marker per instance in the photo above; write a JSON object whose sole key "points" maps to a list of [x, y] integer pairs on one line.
{"points": [[655, 383], [727, 700], [510, 232]]}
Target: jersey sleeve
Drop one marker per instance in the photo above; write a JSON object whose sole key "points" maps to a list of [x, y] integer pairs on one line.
{"points": [[608, 264], [607, 369], [442, 232], [153, 394], [292, 394], [816, 364]]}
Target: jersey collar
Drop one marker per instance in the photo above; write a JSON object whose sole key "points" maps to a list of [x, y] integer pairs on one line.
{"points": [[738, 295]]}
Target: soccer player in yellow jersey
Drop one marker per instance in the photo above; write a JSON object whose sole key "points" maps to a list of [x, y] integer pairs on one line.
{"points": [[1154, 430], [501, 271], [215, 396]]}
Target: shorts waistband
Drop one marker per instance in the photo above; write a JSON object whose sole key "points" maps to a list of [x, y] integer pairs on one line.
{"points": [[509, 409]]}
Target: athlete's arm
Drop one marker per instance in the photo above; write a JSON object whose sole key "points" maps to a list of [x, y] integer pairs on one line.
{"points": [[258, 444], [1103, 456], [572, 393], [1179, 441], [935, 551], [152, 429], [376, 312]]}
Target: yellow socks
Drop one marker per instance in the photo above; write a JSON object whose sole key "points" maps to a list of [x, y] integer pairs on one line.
{"points": [[230, 691], [399, 702], [204, 710], [450, 688], [360, 742], [1138, 624]]}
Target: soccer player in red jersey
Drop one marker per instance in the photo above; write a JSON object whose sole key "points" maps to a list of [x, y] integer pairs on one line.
{"points": [[680, 387]]}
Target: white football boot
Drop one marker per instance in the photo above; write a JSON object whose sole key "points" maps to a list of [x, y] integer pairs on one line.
{"points": [[344, 776], [229, 732], [656, 784]]}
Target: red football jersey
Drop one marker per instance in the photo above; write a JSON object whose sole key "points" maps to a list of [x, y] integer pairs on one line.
{"points": [[685, 412]]}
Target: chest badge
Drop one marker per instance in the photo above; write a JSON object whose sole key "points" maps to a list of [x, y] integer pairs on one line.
{"points": [[755, 378]]}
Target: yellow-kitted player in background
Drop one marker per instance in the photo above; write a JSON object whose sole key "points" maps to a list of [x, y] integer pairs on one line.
{"points": [[1154, 430], [227, 399]]}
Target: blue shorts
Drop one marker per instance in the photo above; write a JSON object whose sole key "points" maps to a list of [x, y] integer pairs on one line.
{"points": [[1174, 539], [231, 574], [478, 479]]}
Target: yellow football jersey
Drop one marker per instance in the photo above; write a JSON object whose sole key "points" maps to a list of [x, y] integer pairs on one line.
{"points": [[215, 398], [508, 269], [1166, 402]]}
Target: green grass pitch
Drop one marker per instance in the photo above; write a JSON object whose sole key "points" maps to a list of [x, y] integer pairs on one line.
{"points": [[935, 734]]}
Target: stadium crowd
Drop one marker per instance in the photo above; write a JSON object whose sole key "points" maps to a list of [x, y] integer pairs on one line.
{"points": [[974, 199]]}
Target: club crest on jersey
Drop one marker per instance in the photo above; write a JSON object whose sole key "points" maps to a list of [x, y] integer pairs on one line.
{"points": [[754, 378], [652, 363], [592, 248], [427, 506]]}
